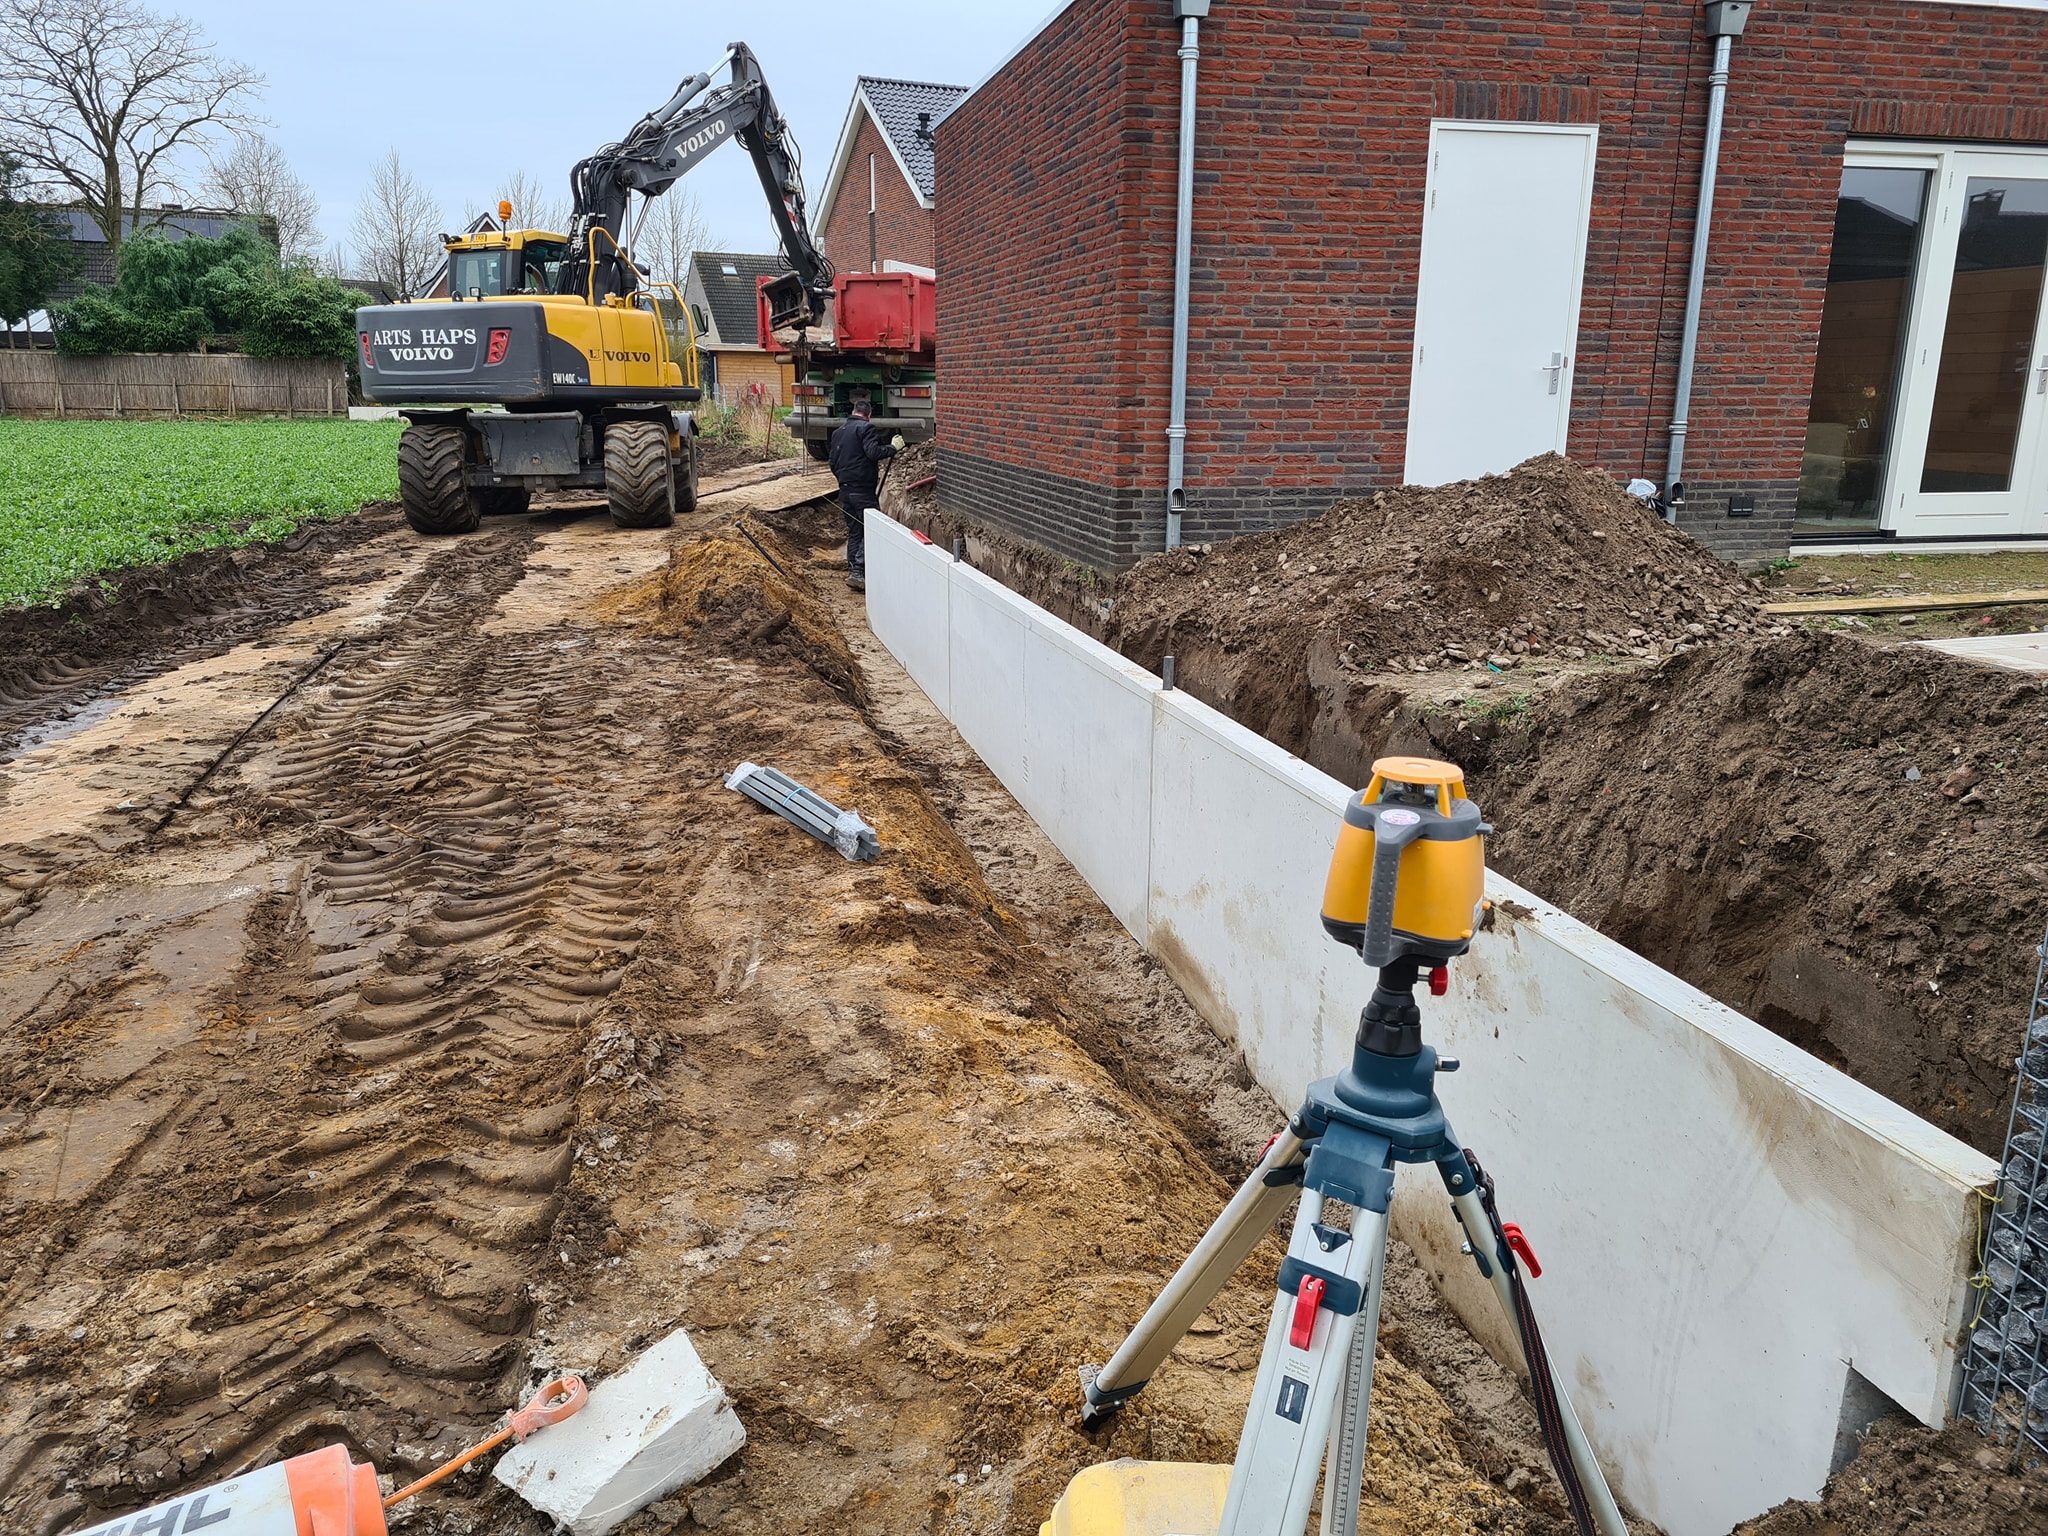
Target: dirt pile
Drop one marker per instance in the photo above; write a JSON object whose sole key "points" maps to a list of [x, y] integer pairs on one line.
{"points": [[1907, 1481], [1546, 559], [1843, 842], [462, 1026], [721, 588]]}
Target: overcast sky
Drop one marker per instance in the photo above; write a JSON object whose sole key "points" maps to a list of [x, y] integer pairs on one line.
{"points": [[467, 95]]}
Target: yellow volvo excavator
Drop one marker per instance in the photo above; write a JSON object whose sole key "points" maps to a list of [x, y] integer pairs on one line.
{"points": [[553, 362]]}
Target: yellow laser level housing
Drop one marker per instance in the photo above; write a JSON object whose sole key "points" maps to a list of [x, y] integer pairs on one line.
{"points": [[1409, 873], [1141, 1498]]}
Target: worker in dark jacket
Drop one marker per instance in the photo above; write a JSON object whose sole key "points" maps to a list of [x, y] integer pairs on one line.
{"points": [[858, 450]]}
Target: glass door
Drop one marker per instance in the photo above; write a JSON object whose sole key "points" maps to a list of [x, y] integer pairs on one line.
{"points": [[1970, 460], [1879, 229]]}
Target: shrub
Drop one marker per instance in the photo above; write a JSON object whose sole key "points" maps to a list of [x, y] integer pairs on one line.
{"points": [[169, 294]]}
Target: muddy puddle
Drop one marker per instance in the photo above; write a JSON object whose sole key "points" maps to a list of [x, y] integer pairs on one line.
{"points": [[398, 1008]]}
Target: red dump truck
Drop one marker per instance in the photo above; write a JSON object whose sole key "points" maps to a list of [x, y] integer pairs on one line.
{"points": [[879, 337]]}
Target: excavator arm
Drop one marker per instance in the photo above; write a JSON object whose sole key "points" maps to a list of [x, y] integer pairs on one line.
{"points": [[661, 149]]}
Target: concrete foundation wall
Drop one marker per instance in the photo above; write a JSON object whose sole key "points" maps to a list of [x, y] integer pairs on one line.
{"points": [[1735, 1235]]}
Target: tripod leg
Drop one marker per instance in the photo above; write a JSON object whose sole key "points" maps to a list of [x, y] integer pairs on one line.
{"points": [[1344, 1465], [1225, 1246], [1479, 1230], [1302, 1372]]}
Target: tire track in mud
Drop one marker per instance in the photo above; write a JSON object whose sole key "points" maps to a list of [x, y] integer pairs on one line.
{"points": [[338, 1237], [117, 631]]}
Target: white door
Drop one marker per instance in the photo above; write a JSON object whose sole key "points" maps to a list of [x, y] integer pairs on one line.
{"points": [[1497, 305], [1974, 429]]}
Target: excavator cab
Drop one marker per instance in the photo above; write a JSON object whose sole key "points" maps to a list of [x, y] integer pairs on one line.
{"points": [[494, 264]]}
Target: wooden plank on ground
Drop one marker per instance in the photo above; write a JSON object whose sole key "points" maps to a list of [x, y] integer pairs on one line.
{"points": [[1912, 602]]}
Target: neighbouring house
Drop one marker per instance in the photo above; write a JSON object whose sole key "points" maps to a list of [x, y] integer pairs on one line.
{"points": [[874, 212], [1429, 244], [720, 291], [170, 221]]}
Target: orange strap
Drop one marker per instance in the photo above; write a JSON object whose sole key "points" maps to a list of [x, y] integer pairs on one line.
{"points": [[554, 1402]]}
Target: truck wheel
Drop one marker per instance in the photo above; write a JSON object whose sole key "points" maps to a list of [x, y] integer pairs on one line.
{"points": [[504, 500], [638, 478], [430, 484], [686, 476], [818, 448]]}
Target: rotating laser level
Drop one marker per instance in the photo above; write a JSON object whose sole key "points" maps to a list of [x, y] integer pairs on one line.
{"points": [[1407, 890]]}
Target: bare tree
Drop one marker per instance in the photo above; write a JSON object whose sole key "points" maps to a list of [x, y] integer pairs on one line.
{"points": [[672, 228], [101, 99], [534, 205], [253, 178], [396, 232]]}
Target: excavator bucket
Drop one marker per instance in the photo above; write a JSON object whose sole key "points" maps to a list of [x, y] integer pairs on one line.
{"points": [[788, 302]]}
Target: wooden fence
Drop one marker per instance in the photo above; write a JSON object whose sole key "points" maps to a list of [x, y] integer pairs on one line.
{"points": [[170, 384]]}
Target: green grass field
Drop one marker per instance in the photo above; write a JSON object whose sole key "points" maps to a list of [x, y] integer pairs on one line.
{"points": [[80, 497]]}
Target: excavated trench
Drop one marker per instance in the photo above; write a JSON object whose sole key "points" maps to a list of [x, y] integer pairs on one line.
{"points": [[1843, 841]]}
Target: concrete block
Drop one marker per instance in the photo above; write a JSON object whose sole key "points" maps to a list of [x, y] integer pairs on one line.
{"points": [[660, 1424]]}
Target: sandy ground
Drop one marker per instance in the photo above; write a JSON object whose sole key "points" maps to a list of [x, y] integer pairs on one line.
{"points": [[394, 1007]]}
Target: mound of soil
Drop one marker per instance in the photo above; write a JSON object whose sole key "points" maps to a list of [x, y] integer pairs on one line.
{"points": [[719, 586], [1547, 559], [1907, 1481], [1844, 842]]}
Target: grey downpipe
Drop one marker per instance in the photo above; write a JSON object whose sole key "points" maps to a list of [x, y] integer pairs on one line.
{"points": [[1190, 13], [1725, 20]]}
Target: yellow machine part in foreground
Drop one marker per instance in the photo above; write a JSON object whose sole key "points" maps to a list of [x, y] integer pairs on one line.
{"points": [[1141, 1498]]}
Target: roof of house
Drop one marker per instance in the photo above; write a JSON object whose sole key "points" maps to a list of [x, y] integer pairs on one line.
{"points": [[895, 106], [172, 223], [728, 281]]}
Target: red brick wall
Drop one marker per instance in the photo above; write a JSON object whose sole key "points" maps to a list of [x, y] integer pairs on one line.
{"points": [[1055, 240], [903, 227]]}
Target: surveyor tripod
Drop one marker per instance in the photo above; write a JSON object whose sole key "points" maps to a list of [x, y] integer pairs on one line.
{"points": [[1309, 1404]]}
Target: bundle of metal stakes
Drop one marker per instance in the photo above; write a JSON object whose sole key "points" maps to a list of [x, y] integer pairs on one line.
{"points": [[807, 809]]}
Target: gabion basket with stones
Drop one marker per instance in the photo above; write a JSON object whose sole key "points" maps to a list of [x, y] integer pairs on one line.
{"points": [[2005, 1374]]}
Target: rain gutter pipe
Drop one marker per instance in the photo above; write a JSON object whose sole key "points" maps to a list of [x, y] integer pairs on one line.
{"points": [[1725, 21], [1189, 13]]}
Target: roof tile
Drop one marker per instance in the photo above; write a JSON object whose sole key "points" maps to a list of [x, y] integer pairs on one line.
{"points": [[896, 104]]}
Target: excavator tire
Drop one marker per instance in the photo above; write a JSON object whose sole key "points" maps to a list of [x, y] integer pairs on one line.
{"points": [[430, 484], [504, 500], [638, 478], [819, 448], [686, 483]]}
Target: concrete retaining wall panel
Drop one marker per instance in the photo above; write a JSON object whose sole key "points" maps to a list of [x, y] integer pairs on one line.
{"points": [[1730, 1227], [1089, 763], [985, 633], [1241, 835], [916, 623]]}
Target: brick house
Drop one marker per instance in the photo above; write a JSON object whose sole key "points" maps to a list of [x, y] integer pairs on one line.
{"points": [[1426, 245], [720, 291], [875, 210]]}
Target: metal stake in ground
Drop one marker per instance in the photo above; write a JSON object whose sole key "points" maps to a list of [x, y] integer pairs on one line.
{"points": [[1410, 850]]}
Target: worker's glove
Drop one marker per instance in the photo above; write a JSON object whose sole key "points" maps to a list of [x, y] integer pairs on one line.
{"points": [[896, 442]]}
